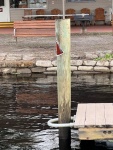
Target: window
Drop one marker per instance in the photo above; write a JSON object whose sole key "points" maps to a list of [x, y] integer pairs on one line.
{"points": [[28, 4], [37, 3], [18, 3], [1, 2]]}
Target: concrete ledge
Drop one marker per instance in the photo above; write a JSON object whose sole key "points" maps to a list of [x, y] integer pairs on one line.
{"points": [[50, 67]]}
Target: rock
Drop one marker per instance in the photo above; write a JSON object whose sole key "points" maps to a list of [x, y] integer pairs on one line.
{"points": [[50, 73], [44, 63], [111, 63], [85, 68], [24, 70], [76, 62], [8, 70], [51, 69], [73, 68], [54, 63], [102, 63], [111, 69], [101, 69], [38, 69], [89, 62]]}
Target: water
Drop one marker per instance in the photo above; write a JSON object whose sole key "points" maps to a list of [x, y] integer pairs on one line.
{"points": [[27, 103]]}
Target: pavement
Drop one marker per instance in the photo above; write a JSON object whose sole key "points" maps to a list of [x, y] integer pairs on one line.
{"points": [[97, 41]]}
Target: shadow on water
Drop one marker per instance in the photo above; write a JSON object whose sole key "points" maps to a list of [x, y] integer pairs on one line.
{"points": [[27, 103]]}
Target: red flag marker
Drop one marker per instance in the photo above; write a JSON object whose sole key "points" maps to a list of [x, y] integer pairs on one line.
{"points": [[59, 51]]}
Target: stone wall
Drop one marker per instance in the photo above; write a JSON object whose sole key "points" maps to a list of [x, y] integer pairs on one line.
{"points": [[50, 67]]}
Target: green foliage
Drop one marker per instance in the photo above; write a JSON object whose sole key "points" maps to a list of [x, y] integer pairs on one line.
{"points": [[106, 57]]}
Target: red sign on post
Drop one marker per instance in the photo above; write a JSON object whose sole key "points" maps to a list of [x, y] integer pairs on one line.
{"points": [[58, 49], [1, 9]]}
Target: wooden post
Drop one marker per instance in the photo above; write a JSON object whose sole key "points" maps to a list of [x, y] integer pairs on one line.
{"points": [[62, 29]]}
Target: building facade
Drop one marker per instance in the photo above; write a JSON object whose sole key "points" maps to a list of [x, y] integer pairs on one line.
{"points": [[12, 10], [4, 11]]}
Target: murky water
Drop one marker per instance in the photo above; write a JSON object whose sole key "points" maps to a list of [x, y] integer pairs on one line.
{"points": [[27, 103]]}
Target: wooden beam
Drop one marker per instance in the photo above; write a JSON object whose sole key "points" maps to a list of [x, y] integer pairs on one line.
{"points": [[95, 133], [80, 116]]}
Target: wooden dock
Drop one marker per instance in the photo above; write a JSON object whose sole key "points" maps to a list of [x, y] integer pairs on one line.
{"points": [[94, 121]]}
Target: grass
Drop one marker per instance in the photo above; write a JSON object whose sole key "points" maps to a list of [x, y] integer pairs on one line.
{"points": [[106, 57]]}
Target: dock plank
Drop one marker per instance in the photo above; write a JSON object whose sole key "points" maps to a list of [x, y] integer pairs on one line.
{"points": [[80, 115], [100, 114], [90, 114], [109, 114]]}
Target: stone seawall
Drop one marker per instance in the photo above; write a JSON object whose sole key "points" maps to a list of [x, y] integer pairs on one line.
{"points": [[50, 67]]}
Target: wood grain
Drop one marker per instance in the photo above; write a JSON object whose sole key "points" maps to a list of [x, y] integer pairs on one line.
{"points": [[95, 133]]}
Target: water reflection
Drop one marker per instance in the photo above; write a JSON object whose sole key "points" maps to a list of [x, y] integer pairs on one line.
{"points": [[27, 103]]}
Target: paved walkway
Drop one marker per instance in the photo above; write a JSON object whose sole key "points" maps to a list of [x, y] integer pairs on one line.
{"points": [[29, 54]]}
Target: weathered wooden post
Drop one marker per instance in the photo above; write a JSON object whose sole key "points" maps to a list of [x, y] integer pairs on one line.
{"points": [[62, 27]]}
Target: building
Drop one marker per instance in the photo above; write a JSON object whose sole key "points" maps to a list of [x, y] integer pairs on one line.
{"points": [[12, 10]]}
